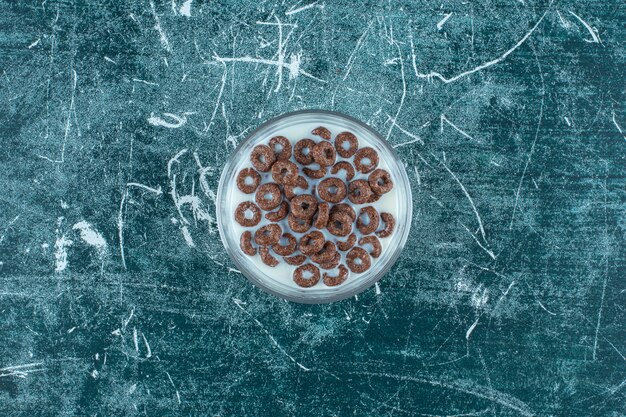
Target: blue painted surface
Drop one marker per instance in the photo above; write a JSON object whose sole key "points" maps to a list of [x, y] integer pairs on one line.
{"points": [[117, 119]]}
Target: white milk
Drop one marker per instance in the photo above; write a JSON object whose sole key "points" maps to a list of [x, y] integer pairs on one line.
{"points": [[283, 272]]}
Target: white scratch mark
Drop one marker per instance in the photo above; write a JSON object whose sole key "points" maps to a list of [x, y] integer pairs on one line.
{"points": [[8, 227], [132, 389], [156, 190], [172, 382], [157, 25], [91, 236], [145, 342], [564, 23], [32, 45], [618, 126], [395, 118], [417, 175], [414, 138], [544, 307], [443, 118], [303, 8], [178, 121], [489, 252], [595, 342], [359, 42], [185, 9], [471, 329], [106, 58], [443, 21], [377, 287], [592, 31], [135, 341], [567, 121], [60, 254], [138, 80], [120, 227], [21, 371], [481, 67], [471, 201], [240, 304]]}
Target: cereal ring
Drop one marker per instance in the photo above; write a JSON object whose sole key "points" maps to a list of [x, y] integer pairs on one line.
{"points": [[268, 235], [346, 208], [338, 279], [303, 206], [324, 154], [245, 243], [245, 208], [299, 225], [365, 160], [285, 172], [340, 224], [289, 189], [376, 246], [322, 132], [358, 260], [348, 244], [333, 262], [323, 212], [380, 181], [346, 144], [315, 173], [306, 281], [273, 191], [332, 190], [390, 223], [372, 220], [262, 158], [281, 147], [303, 151], [287, 249], [246, 186], [266, 257], [343, 166], [311, 243], [278, 215], [374, 198], [295, 260], [359, 192], [326, 254]]}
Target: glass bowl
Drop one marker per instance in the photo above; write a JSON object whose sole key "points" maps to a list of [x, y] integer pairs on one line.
{"points": [[278, 280]]}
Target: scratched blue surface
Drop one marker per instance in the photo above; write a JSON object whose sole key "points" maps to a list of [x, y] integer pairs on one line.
{"points": [[117, 297]]}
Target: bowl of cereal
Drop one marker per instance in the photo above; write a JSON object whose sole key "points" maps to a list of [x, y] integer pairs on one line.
{"points": [[314, 206]]}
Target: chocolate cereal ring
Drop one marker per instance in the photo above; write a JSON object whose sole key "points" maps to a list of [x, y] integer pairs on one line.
{"points": [[359, 192], [335, 280], [303, 151], [268, 196], [241, 214], [278, 215], [374, 198], [248, 180], [324, 154], [323, 213], [348, 244], [346, 144], [262, 158], [266, 256], [343, 166], [288, 248], [322, 132], [358, 260], [303, 206], [281, 147], [295, 260], [390, 223], [365, 160], [311, 243], [376, 246], [340, 224], [245, 243], [268, 235], [285, 172], [380, 181], [306, 275], [372, 220], [346, 208], [289, 189], [333, 262], [325, 254], [315, 173], [298, 225], [332, 190]]}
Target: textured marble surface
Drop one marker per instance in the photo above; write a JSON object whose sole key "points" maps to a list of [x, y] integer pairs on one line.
{"points": [[117, 297]]}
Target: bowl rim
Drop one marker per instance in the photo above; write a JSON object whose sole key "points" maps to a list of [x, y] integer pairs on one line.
{"points": [[366, 284]]}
